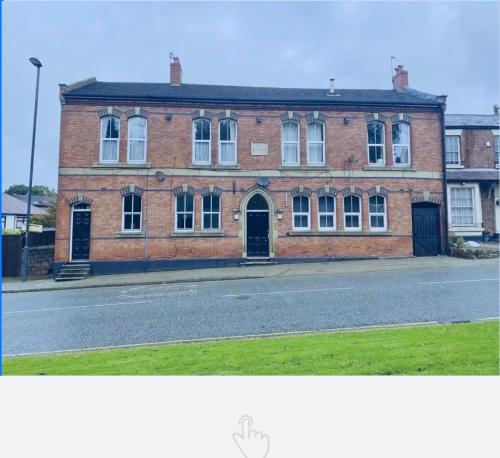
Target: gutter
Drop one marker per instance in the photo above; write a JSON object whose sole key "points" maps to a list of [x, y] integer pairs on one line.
{"points": [[445, 187]]}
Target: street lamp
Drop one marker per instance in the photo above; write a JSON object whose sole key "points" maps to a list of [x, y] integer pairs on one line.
{"points": [[24, 273]]}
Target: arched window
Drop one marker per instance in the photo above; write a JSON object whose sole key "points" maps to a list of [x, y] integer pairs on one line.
{"points": [[326, 213], [227, 141], [132, 213], [201, 141], [290, 151], [376, 142], [211, 212], [184, 212], [377, 210], [352, 213], [301, 213], [110, 137], [316, 143], [137, 127], [401, 143]]}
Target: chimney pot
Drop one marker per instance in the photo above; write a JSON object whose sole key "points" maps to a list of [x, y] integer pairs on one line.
{"points": [[332, 85], [495, 109], [400, 78], [175, 71]]}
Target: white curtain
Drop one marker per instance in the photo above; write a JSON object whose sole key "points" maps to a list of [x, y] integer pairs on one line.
{"points": [[462, 207], [110, 150], [201, 151], [315, 142], [228, 152], [290, 134]]}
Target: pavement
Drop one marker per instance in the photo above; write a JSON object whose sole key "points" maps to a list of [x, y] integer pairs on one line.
{"points": [[237, 273], [271, 300]]}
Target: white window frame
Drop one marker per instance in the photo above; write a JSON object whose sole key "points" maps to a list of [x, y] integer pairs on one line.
{"points": [[308, 214], [235, 141], [176, 229], [359, 214], [408, 145], [326, 213], [4, 221], [203, 213], [145, 140], [496, 147], [117, 140], [209, 141], [131, 213], [454, 133], [310, 142], [297, 142], [24, 222], [368, 144], [476, 226], [370, 214]]}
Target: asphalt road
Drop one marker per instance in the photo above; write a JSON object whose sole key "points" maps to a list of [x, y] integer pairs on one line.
{"points": [[113, 316]]}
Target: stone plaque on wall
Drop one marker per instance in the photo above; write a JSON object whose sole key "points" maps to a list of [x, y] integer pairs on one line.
{"points": [[259, 149]]}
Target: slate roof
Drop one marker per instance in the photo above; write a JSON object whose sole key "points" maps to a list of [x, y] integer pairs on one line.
{"points": [[246, 94], [13, 206], [38, 201], [473, 175], [472, 120]]}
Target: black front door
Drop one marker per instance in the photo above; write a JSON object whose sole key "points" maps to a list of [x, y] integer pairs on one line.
{"points": [[426, 233], [257, 234], [80, 243]]}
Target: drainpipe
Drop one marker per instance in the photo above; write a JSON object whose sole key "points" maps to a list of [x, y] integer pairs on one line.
{"points": [[445, 188]]}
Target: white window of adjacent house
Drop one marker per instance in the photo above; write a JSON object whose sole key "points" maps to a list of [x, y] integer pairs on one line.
{"points": [[290, 143], [184, 211], [462, 207], [377, 210], [376, 142], [452, 148], [326, 213], [137, 139], [301, 213], [211, 212], [227, 141], [201, 141], [352, 213], [20, 222], [4, 221], [401, 143], [316, 143], [110, 138], [132, 213], [497, 148]]}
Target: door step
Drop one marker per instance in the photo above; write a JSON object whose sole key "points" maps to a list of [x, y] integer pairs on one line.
{"points": [[73, 271], [258, 262]]}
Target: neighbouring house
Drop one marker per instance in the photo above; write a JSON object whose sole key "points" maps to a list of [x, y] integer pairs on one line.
{"points": [[14, 212], [39, 201], [175, 175], [472, 162]]}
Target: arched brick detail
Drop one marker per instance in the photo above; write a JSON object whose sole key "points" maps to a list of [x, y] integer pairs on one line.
{"points": [[290, 116], [315, 116], [184, 189], [301, 190], [378, 190], [80, 198], [326, 191], [227, 114], [370, 117], [211, 189], [426, 197], [137, 112], [352, 191], [401, 117], [131, 189], [197, 114], [109, 111]]}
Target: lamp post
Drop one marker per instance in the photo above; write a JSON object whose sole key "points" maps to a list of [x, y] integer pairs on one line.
{"points": [[24, 273]]}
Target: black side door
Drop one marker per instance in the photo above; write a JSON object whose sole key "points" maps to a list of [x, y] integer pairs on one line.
{"points": [[426, 232], [257, 234], [80, 246]]}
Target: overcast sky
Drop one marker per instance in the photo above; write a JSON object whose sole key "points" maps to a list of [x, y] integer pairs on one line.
{"points": [[448, 48]]}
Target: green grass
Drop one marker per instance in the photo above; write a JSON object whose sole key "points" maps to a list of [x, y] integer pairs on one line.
{"points": [[458, 349]]}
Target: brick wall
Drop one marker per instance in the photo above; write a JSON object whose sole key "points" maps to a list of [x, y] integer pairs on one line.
{"points": [[474, 150]]}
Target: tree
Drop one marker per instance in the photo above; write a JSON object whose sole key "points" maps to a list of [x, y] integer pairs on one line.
{"points": [[36, 190], [17, 189], [48, 220]]}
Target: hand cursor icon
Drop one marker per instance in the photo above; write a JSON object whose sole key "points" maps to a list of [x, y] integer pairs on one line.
{"points": [[252, 444]]}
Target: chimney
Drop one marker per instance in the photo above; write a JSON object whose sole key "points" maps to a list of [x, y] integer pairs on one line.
{"points": [[400, 78], [495, 109], [175, 71], [332, 85]]}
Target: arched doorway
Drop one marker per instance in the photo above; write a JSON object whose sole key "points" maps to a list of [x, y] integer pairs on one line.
{"points": [[80, 232], [257, 227], [426, 229]]}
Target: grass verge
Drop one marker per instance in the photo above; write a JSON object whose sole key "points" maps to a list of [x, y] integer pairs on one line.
{"points": [[455, 349]]}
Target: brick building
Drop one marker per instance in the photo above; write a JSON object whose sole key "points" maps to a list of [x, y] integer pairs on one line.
{"points": [[472, 162], [172, 175]]}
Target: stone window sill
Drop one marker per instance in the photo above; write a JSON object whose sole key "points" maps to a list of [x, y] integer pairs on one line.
{"points": [[391, 168], [302, 167], [341, 233], [454, 166], [130, 235], [197, 234], [215, 166], [122, 165]]}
